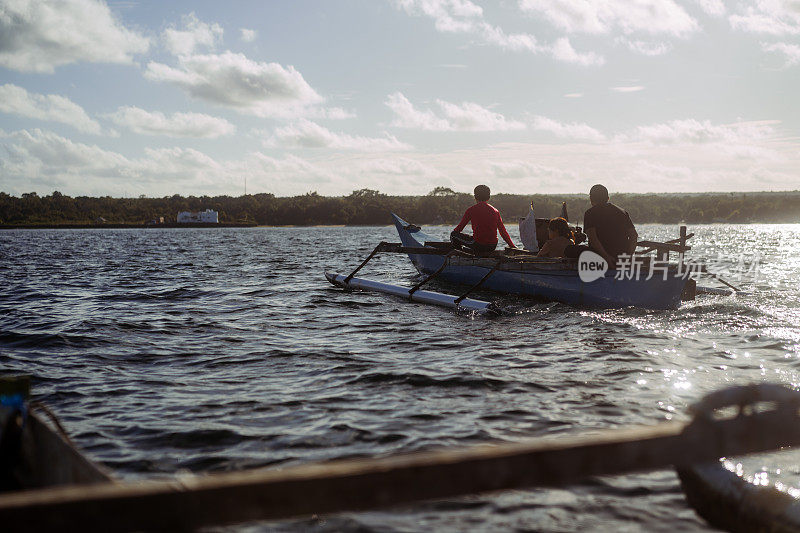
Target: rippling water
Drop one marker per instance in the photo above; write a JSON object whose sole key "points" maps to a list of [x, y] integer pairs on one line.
{"points": [[218, 349]]}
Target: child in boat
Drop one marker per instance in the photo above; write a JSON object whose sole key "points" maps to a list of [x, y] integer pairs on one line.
{"points": [[559, 237]]}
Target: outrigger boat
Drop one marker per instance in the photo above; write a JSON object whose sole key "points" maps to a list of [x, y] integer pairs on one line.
{"points": [[32, 455], [69, 492], [520, 272]]}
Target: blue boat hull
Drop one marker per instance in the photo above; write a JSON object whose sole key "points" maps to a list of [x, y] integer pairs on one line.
{"points": [[551, 280]]}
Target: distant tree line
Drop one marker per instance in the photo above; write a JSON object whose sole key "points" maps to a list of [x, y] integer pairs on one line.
{"points": [[365, 206]]}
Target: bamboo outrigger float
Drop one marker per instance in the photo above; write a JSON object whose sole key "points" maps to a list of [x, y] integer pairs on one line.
{"points": [[767, 418], [427, 297]]}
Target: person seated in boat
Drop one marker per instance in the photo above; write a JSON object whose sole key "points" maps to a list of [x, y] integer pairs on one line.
{"points": [[610, 229], [559, 237], [486, 222]]}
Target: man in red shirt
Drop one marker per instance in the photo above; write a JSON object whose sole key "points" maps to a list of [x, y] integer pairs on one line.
{"points": [[486, 222]]}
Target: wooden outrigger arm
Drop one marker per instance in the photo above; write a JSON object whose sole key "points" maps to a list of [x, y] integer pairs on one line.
{"points": [[678, 245], [398, 248], [767, 420], [438, 271], [483, 279]]}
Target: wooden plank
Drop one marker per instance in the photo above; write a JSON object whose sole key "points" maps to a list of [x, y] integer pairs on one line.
{"points": [[36, 456], [359, 484], [55, 460], [661, 246], [653, 245]]}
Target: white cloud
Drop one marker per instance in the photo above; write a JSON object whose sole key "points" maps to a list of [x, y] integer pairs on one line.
{"points": [[730, 138], [567, 131], [329, 113], [172, 163], [522, 170], [773, 17], [573, 95], [16, 100], [688, 155], [637, 165], [662, 171], [232, 80], [307, 134], [407, 116], [449, 16], [398, 167], [194, 35], [714, 8], [602, 17], [628, 89], [195, 125], [37, 153], [563, 51], [263, 167], [469, 116], [248, 36], [790, 52], [465, 17], [39, 35], [699, 132], [42, 160], [645, 48], [518, 42], [466, 116]]}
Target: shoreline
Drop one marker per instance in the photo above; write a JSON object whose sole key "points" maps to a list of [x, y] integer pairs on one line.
{"points": [[286, 226], [129, 226]]}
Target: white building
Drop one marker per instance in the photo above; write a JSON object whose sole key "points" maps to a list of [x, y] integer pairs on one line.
{"points": [[207, 216]]}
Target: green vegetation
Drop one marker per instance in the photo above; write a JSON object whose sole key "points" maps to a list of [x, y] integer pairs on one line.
{"points": [[366, 206]]}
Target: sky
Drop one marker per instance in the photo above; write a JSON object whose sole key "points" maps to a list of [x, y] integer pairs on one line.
{"points": [[131, 98]]}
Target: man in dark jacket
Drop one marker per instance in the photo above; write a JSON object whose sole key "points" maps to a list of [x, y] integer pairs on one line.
{"points": [[610, 230]]}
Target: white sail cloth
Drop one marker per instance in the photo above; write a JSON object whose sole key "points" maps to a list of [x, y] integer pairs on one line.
{"points": [[527, 231]]}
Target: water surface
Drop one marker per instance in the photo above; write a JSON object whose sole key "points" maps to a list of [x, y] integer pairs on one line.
{"points": [[218, 349]]}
